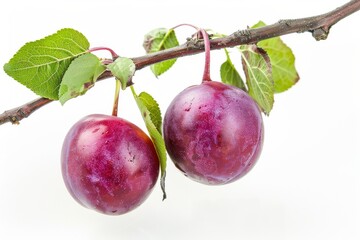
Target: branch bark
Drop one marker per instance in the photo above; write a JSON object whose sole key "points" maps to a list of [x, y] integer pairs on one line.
{"points": [[318, 25]]}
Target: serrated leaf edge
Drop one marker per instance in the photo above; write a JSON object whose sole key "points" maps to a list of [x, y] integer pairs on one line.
{"points": [[161, 154], [269, 104], [73, 56], [7, 66]]}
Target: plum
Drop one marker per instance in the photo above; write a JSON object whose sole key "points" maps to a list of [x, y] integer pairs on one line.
{"points": [[109, 164], [213, 132]]}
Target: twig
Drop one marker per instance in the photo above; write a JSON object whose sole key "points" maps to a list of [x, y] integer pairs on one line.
{"points": [[16, 114], [319, 26]]}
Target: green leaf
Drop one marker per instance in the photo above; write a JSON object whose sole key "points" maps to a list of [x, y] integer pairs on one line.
{"points": [[40, 65], [153, 108], [157, 40], [229, 74], [151, 114], [80, 76], [258, 74], [123, 69], [282, 61]]}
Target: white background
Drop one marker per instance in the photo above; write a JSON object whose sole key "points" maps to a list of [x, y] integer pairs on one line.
{"points": [[306, 184]]}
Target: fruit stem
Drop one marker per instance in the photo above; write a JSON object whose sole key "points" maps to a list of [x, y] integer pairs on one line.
{"points": [[205, 37], [116, 98], [206, 75], [112, 52]]}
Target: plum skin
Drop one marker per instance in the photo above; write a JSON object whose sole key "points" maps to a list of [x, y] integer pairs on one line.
{"points": [[108, 164], [213, 132]]}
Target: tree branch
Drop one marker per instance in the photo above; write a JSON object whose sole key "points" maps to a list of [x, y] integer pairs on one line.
{"points": [[16, 114], [319, 26]]}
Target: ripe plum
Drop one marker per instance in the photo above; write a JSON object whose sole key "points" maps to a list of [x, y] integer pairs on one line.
{"points": [[213, 132], [109, 164]]}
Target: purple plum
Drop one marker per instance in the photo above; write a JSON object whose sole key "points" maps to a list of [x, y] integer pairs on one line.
{"points": [[109, 164], [213, 132]]}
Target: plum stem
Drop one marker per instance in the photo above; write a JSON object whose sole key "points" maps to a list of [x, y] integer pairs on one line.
{"points": [[207, 47], [206, 75], [114, 55], [186, 24], [116, 97]]}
